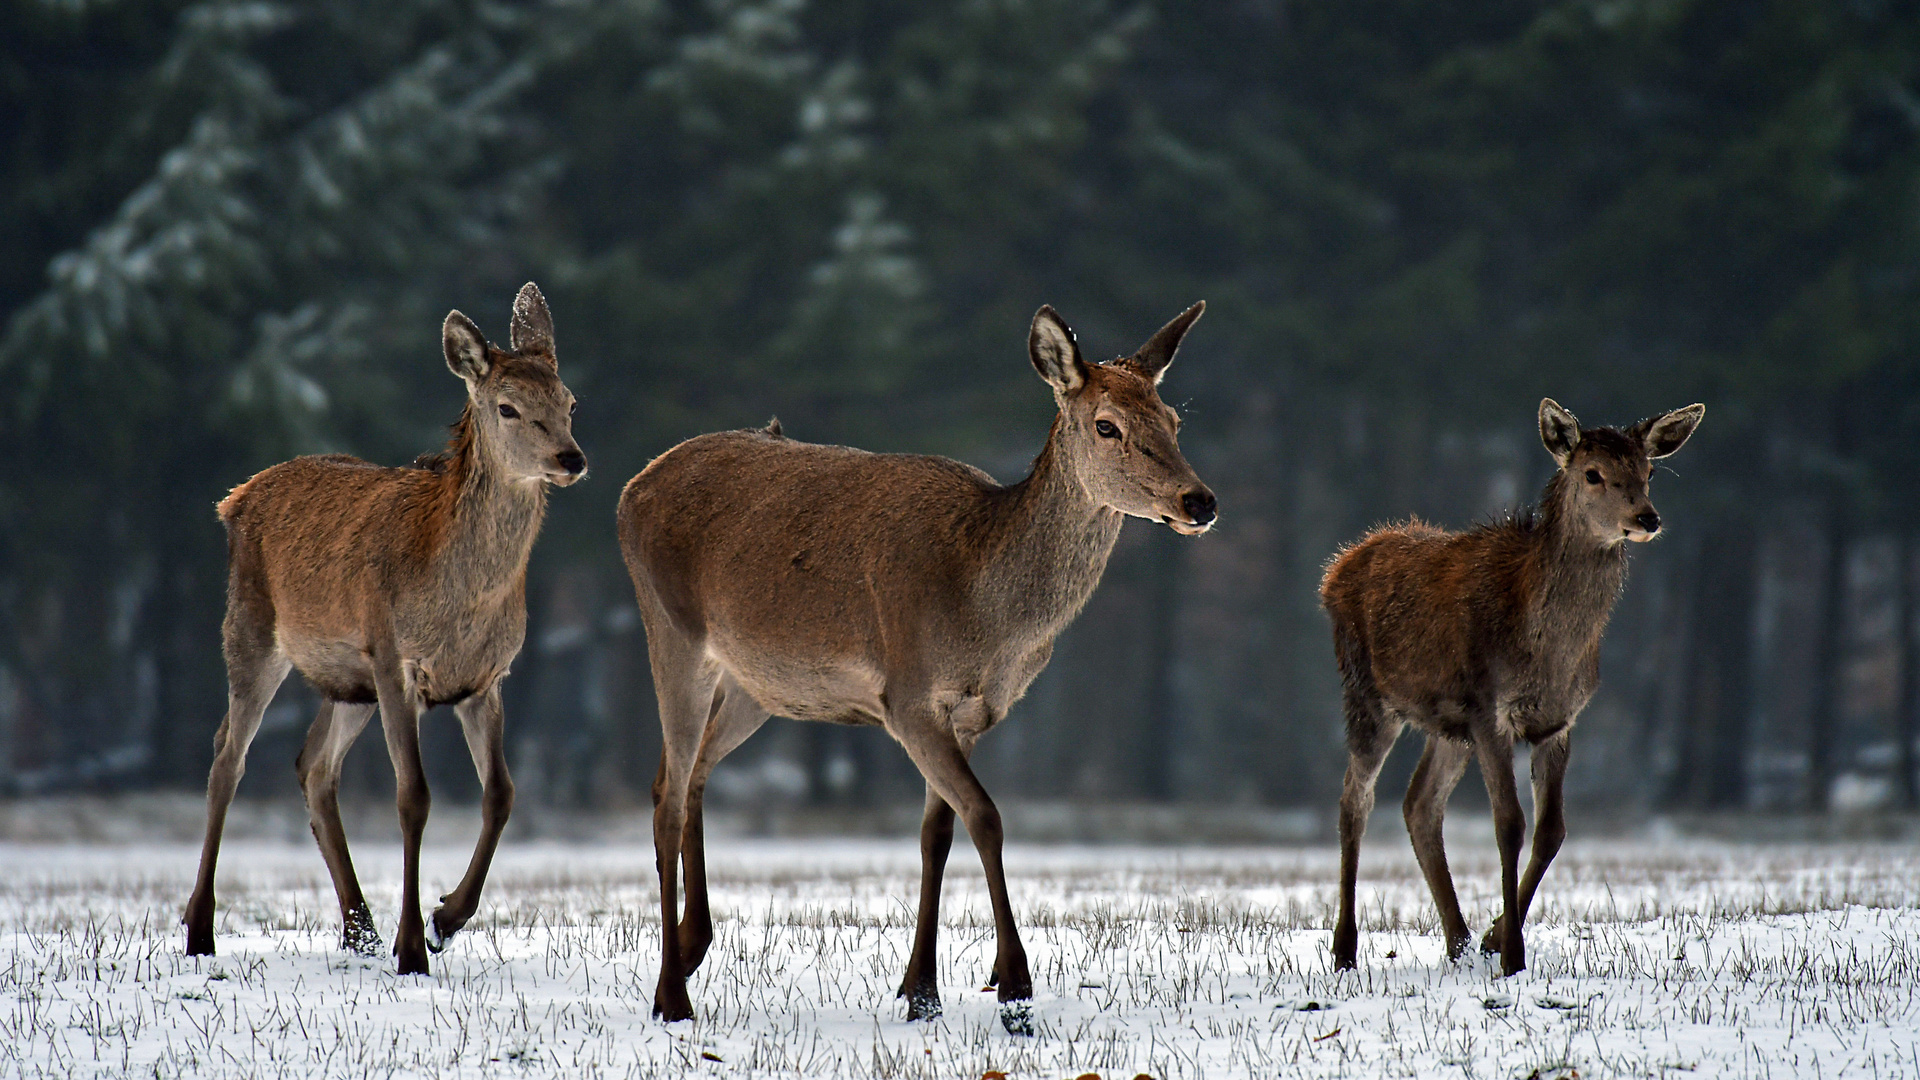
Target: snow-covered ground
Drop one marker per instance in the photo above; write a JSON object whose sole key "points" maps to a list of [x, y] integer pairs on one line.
{"points": [[1648, 960]]}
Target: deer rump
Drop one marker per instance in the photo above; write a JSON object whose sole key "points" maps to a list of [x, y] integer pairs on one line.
{"points": [[808, 572]]}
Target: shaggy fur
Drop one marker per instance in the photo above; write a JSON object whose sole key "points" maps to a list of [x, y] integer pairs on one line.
{"points": [[1481, 639], [402, 587]]}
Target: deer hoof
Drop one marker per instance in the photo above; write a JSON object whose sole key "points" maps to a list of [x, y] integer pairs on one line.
{"points": [[1495, 936], [357, 934], [412, 963], [922, 1004], [436, 938], [199, 942], [670, 1002], [1017, 1018]]}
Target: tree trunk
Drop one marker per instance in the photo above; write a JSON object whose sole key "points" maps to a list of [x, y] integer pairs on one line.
{"points": [[1711, 773], [1823, 725], [1906, 727]]}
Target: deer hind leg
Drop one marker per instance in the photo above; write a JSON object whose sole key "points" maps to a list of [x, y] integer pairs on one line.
{"points": [[328, 740], [400, 721], [735, 718], [1441, 766], [1494, 748], [1549, 768], [686, 688], [943, 762], [255, 670], [483, 720], [921, 986], [1370, 735]]}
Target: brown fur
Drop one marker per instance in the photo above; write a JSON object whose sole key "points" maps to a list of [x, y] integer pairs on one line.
{"points": [[1482, 639], [908, 592], [402, 587]]}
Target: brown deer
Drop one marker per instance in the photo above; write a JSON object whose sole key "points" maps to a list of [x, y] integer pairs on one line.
{"points": [[404, 588], [906, 592], [1482, 638]]}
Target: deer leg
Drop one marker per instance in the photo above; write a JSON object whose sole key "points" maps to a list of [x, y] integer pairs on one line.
{"points": [[921, 987], [400, 721], [1494, 748], [943, 763], [733, 722], [1441, 766], [1549, 767], [255, 671], [686, 694], [328, 740], [483, 722], [1370, 735]]}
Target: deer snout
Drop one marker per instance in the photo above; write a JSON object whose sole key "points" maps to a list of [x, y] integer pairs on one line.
{"points": [[1201, 506], [573, 461], [1648, 521]]}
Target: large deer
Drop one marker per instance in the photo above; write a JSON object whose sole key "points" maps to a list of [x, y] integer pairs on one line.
{"points": [[404, 588], [1481, 639], [906, 592]]}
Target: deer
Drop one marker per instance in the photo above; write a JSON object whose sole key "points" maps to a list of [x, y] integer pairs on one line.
{"points": [[906, 592], [401, 588], [1481, 639]]}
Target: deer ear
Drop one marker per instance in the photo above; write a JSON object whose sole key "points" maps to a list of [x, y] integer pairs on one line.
{"points": [[1054, 352], [532, 330], [466, 348], [1157, 353], [1664, 434], [1559, 431]]}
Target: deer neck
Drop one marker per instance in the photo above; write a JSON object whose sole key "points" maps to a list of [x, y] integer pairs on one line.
{"points": [[1579, 576], [1049, 544], [493, 518]]}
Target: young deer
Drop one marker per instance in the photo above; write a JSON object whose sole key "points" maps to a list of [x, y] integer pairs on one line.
{"points": [[1483, 638], [404, 588], [906, 592]]}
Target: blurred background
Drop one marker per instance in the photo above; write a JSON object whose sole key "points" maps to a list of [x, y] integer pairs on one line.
{"points": [[229, 231]]}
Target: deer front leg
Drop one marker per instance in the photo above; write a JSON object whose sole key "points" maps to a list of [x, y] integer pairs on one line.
{"points": [[253, 674], [1549, 767], [921, 987], [1441, 766], [483, 722], [943, 763], [1369, 737], [400, 720], [1494, 748], [318, 766]]}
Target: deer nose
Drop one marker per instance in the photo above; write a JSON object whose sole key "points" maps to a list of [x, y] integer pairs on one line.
{"points": [[1649, 521], [573, 461], [1200, 505]]}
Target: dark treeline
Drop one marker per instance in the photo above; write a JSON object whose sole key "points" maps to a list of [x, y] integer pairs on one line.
{"points": [[231, 230]]}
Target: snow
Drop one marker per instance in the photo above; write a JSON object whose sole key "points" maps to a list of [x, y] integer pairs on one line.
{"points": [[1648, 959]]}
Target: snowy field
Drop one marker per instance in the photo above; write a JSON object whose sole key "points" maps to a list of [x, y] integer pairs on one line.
{"points": [[1648, 960]]}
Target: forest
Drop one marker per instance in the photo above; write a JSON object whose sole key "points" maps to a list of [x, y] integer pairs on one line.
{"points": [[231, 228]]}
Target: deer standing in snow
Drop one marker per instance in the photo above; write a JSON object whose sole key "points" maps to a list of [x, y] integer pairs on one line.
{"points": [[1481, 639], [901, 591], [404, 588]]}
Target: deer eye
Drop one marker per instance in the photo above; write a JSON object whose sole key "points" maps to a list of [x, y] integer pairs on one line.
{"points": [[1106, 429], [508, 412], [1593, 476], [573, 409]]}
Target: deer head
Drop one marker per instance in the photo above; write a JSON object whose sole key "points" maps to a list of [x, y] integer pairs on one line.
{"points": [[1115, 433], [1606, 472], [523, 412]]}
